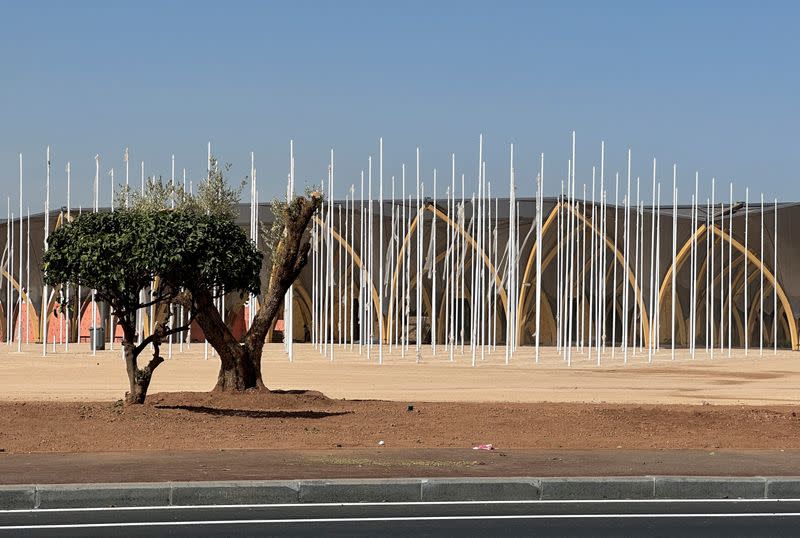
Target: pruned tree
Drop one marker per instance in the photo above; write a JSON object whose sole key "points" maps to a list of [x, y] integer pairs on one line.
{"points": [[240, 362], [287, 245], [121, 253]]}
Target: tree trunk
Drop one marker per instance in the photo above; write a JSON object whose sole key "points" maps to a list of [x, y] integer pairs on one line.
{"points": [[237, 371], [138, 378], [240, 363]]}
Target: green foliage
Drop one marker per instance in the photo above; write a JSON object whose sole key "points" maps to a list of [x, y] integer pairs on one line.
{"points": [[213, 196], [120, 253], [211, 252]]}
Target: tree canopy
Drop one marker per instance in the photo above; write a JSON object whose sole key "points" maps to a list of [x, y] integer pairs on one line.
{"points": [[119, 254]]}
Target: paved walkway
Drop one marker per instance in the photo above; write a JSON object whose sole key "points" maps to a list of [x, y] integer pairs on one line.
{"points": [[162, 466]]}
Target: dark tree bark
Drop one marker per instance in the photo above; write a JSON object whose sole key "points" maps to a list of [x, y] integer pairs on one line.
{"points": [[240, 363], [139, 378]]}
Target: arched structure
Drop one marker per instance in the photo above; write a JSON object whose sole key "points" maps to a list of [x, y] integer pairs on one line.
{"points": [[680, 258]]}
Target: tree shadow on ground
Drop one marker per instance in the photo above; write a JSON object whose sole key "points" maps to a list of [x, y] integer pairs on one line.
{"points": [[250, 413]]}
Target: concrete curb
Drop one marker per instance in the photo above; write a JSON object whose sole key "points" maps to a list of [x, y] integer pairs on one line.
{"points": [[45, 496]]}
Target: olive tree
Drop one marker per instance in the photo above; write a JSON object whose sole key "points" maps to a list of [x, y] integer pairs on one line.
{"points": [[119, 254], [287, 244]]}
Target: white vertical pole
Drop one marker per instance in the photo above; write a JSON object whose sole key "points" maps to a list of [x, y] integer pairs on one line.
{"points": [[432, 261], [473, 292], [707, 264], [571, 279], [96, 208], [539, 209], [127, 176], [761, 277], [592, 254], [657, 312], [711, 271], [650, 347], [581, 316], [721, 277], [624, 342], [69, 208], [418, 330], [746, 250], [361, 295], [692, 276], [495, 291], [559, 250], [19, 275], [463, 260], [345, 298], [626, 257], [330, 254], [28, 284], [46, 235], [730, 270], [9, 252], [352, 265], [614, 271], [636, 273], [452, 275], [340, 281], [674, 247], [512, 307], [775, 285], [289, 324], [405, 273], [381, 252], [394, 247]]}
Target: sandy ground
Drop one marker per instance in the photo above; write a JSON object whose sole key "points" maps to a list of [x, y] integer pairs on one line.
{"points": [[263, 420], [752, 380]]}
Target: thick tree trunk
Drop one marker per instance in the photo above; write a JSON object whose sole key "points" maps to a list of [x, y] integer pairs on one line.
{"points": [[237, 371], [240, 363]]}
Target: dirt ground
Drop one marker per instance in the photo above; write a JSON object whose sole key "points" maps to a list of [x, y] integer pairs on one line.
{"points": [[309, 420], [69, 403], [750, 380]]}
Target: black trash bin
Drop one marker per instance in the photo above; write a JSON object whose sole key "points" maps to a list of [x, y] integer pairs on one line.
{"points": [[97, 337]]}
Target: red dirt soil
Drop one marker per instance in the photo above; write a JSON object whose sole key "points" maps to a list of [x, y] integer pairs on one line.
{"points": [[309, 420]]}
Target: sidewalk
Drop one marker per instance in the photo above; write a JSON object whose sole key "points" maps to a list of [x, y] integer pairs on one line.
{"points": [[226, 465]]}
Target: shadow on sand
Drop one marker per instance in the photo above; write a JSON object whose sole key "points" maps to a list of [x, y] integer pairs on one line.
{"points": [[253, 413]]}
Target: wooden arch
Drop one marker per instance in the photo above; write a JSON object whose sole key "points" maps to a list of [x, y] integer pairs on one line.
{"points": [[680, 258], [357, 261], [610, 245], [436, 211]]}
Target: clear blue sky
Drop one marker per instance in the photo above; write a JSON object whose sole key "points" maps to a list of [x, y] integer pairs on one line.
{"points": [[713, 88]]}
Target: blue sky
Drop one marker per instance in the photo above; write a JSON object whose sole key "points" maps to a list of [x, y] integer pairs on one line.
{"points": [[713, 88]]}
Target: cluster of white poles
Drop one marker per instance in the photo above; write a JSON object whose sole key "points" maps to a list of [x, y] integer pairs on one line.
{"points": [[601, 261], [378, 299]]}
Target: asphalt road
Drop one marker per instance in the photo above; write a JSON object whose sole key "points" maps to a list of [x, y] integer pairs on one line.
{"points": [[540, 518]]}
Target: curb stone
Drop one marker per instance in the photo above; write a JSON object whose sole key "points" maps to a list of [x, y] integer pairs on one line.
{"points": [[481, 489], [30, 496], [597, 488]]}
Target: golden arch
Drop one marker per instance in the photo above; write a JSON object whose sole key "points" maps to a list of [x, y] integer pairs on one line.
{"points": [[620, 258], [436, 211], [357, 260], [723, 236], [30, 311]]}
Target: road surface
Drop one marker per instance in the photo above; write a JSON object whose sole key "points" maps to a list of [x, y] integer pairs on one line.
{"points": [[543, 518]]}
